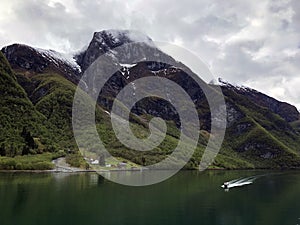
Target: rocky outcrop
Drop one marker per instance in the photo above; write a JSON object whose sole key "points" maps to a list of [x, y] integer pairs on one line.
{"points": [[105, 41]]}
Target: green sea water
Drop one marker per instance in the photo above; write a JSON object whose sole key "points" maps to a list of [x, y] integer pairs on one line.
{"points": [[190, 197]]}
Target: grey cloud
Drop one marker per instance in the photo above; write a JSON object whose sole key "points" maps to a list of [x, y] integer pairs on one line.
{"points": [[247, 42]]}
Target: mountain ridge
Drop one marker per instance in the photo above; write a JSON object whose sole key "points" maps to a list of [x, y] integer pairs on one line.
{"points": [[78, 62], [287, 111], [259, 133]]}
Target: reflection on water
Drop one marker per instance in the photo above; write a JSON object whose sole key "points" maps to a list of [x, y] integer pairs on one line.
{"points": [[138, 177], [189, 197]]}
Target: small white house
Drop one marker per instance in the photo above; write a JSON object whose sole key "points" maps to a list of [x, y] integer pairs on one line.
{"points": [[95, 162]]}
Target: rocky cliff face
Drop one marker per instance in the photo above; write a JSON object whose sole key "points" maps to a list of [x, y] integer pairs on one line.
{"points": [[105, 41]]}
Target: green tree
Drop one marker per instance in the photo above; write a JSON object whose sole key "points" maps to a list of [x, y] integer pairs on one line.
{"points": [[25, 150], [143, 161], [12, 150], [2, 150], [28, 138]]}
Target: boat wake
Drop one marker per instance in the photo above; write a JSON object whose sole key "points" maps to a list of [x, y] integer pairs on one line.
{"points": [[239, 182]]}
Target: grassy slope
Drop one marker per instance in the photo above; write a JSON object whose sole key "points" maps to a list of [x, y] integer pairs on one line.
{"points": [[53, 97], [55, 104], [16, 113], [16, 110], [267, 142]]}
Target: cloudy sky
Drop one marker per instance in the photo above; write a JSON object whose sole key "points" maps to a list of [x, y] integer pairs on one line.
{"points": [[252, 43]]}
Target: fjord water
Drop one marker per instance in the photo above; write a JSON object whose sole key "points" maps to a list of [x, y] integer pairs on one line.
{"points": [[190, 197]]}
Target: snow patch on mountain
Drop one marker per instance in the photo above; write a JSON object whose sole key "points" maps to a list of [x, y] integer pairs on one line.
{"points": [[128, 65], [224, 83], [57, 57]]}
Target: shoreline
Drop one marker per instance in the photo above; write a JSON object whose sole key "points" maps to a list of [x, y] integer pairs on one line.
{"points": [[138, 170]]}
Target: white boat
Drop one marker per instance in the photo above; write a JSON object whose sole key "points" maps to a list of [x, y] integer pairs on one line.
{"points": [[225, 185]]}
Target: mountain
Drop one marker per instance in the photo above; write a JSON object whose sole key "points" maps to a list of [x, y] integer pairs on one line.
{"points": [[261, 131]]}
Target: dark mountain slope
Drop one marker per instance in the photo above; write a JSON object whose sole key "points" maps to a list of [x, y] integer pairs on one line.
{"points": [[287, 111], [33, 61]]}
